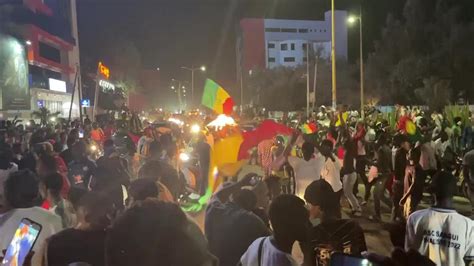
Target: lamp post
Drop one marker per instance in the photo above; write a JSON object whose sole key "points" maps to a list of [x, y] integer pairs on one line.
{"points": [[192, 69], [352, 20]]}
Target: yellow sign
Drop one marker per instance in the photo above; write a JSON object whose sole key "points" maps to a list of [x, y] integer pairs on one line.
{"points": [[105, 71]]}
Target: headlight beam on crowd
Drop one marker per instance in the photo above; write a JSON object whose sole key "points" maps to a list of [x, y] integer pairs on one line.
{"points": [[195, 129], [176, 121], [222, 121]]}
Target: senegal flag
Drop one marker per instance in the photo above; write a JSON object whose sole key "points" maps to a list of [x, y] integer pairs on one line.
{"points": [[216, 98]]}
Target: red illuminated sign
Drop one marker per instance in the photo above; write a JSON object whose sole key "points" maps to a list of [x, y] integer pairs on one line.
{"points": [[105, 71]]}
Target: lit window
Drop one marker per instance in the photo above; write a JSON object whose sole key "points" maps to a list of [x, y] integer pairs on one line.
{"points": [[284, 46], [289, 59]]}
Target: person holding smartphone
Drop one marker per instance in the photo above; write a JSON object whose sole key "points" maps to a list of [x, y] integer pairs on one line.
{"points": [[21, 194]]}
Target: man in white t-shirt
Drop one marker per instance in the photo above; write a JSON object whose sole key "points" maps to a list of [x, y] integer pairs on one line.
{"points": [[331, 171], [290, 222], [307, 169], [440, 233], [21, 189]]}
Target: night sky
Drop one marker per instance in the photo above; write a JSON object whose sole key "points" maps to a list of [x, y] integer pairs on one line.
{"points": [[174, 33]]}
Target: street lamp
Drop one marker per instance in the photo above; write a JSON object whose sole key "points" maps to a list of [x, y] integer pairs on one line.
{"points": [[192, 69], [352, 20]]}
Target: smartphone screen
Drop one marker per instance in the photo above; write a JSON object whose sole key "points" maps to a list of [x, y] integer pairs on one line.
{"points": [[23, 240], [81, 133], [341, 259]]}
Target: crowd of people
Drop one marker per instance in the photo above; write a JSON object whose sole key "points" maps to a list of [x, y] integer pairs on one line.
{"points": [[105, 196]]}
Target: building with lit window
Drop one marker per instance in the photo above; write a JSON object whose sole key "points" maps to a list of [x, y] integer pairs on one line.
{"points": [[269, 43], [48, 31]]}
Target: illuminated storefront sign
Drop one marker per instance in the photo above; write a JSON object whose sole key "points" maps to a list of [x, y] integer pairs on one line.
{"points": [[57, 85], [106, 85], [105, 71], [86, 103]]}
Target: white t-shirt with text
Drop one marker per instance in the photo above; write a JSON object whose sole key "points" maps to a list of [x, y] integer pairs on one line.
{"points": [[443, 235]]}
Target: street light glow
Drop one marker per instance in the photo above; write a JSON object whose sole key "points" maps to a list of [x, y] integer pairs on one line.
{"points": [[28, 42], [352, 19], [203, 68]]}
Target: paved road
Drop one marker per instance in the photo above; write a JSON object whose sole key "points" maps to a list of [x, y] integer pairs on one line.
{"points": [[376, 234]]}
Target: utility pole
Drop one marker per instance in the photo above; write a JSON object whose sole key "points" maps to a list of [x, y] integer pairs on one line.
{"points": [[314, 81], [192, 69], [96, 94], [74, 92], [307, 79], [241, 93], [361, 66], [333, 56]]}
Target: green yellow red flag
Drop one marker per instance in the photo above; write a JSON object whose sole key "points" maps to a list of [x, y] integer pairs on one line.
{"points": [[216, 98]]}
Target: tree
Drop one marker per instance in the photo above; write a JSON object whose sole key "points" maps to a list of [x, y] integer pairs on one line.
{"points": [[44, 115], [435, 93], [284, 88], [430, 46], [277, 89]]}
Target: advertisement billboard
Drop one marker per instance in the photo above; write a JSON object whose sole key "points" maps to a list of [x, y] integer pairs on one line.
{"points": [[14, 86], [57, 85]]}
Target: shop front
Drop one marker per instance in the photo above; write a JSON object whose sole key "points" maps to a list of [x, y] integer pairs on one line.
{"points": [[55, 99]]}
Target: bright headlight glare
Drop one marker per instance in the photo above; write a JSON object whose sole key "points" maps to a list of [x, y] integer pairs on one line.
{"points": [[184, 157]]}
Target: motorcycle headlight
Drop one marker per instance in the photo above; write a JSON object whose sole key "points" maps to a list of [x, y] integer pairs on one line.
{"points": [[184, 157], [93, 147], [195, 129]]}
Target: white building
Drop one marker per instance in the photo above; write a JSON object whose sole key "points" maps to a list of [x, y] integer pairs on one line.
{"points": [[280, 42]]}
